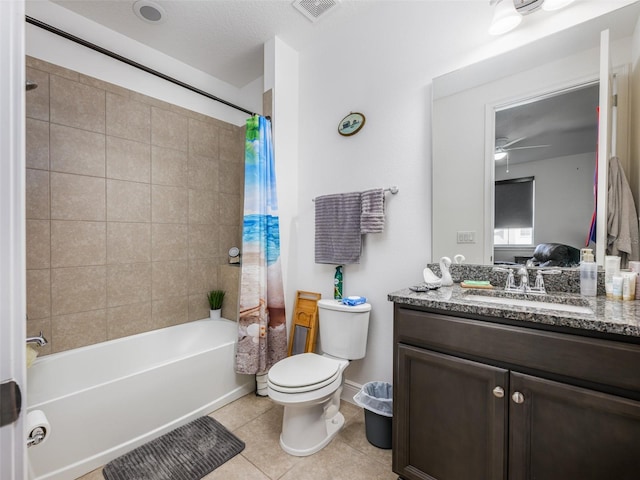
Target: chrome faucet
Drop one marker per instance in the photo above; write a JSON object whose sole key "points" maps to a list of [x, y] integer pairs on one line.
{"points": [[524, 287], [524, 280], [38, 340]]}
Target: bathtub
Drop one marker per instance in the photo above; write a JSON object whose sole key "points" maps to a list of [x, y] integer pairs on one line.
{"points": [[104, 400]]}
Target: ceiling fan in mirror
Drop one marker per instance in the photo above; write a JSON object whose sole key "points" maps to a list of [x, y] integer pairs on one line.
{"points": [[504, 146]]}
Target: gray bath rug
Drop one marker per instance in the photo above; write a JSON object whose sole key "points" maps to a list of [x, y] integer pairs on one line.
{"points": [[187, 453]]}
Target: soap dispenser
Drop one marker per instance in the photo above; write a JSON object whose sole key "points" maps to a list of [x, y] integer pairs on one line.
{"points": [[588, 274]]}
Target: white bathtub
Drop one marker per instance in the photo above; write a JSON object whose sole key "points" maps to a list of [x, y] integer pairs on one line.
{"points": [[106, 399]]}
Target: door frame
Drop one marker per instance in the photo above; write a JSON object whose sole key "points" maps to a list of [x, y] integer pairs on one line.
{"points": [[13, 463]]}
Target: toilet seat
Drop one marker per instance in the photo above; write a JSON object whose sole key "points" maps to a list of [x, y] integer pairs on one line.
{"points": [[303, 373]]}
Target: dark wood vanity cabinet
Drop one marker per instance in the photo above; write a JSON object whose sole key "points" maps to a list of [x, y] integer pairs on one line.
{"points": [[476, 400]]}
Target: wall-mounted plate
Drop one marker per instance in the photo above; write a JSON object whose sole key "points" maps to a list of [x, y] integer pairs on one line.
{"points": [[351, 124]]}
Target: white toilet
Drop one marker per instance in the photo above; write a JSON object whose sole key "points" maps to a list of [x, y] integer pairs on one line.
{"points": [[309, 385]]}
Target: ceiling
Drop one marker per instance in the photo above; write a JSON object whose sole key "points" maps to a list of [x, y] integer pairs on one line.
{"points": [[565, 123], [223, 38]]}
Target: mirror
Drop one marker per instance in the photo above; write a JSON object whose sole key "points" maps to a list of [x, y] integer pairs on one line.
{"points": [[464, 114], [544, 171]]}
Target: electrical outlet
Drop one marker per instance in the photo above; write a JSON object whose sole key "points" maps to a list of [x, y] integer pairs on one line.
{"points": [[466, 237]]}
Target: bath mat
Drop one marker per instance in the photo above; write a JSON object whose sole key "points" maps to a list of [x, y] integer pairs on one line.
{"points": [[187, 453]]}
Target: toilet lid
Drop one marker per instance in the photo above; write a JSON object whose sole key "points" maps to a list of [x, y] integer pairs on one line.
{"points": [[304, 372]]}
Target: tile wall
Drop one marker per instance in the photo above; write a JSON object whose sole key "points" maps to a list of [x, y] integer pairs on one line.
{"points": [[131, 207]]}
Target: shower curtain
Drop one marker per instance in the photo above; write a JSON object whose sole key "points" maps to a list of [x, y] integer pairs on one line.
{"points": [[262, 336]]}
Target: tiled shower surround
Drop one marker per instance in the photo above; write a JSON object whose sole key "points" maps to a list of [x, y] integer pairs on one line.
{"points": [[131, 207]]}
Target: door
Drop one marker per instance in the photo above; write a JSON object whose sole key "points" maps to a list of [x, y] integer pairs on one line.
{"points": [[12, 240], [449, 417], [560, 432]]}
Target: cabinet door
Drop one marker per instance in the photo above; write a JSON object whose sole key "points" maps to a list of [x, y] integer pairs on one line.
{"points": [[562, 432], [448, 423]]}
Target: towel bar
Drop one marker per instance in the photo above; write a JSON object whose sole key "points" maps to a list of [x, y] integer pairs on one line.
{"points": [[392, 189]]}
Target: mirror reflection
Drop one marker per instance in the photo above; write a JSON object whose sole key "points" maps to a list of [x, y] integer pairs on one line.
{"points": [[545, 170]]}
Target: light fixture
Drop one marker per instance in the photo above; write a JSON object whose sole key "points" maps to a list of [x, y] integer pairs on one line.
{"points": [[499, 155], [149, 12], [550, 5], [505, 17]]}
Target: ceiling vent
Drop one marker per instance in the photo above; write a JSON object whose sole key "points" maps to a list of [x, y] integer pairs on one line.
{"points": [[314, 9]]}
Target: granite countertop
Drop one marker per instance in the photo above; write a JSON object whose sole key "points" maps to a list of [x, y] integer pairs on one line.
{"points": [[609, 316]]}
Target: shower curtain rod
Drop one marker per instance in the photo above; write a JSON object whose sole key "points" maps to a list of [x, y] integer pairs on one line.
{"points": [[130, 62]]}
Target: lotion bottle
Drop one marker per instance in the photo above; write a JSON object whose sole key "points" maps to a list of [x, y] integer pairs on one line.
{"points": [[588, 274]]}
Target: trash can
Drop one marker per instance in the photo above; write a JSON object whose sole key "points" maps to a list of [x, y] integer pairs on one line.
{"points": [[377, 400]]}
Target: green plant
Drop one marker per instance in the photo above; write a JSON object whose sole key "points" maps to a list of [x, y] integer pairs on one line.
{"points": [[215, 298]]}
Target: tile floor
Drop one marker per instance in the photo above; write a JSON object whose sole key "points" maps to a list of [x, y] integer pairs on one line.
{"points": [[257, 421]]}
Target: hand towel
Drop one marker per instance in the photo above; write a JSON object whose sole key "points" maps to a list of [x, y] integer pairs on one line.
{"points": [[622, 220], [338, 239], [372, 217]]}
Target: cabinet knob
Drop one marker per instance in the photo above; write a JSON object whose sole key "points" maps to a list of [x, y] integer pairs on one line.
{"points": [[498, 392], [517, 397]]}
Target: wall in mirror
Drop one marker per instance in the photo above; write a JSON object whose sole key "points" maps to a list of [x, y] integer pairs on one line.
{"points": [[464, 119], [551, 140]]}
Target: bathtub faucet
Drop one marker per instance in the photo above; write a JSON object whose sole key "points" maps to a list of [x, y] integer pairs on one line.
{"points": [[39, 340]]}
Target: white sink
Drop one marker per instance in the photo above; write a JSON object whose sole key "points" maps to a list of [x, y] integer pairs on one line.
{"points": [[521, 302]]}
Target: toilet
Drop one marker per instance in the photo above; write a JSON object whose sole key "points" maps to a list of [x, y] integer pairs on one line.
{"points": [[309, 384]]}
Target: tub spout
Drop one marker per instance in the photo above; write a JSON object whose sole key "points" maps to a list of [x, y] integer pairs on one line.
{"points": [[39, 340]]}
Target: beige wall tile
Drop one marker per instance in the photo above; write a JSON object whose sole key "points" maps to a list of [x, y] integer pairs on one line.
{"points": [[229, 281], [78, 289], [203, 173], [169, 129], [77, 105], [128, 283], [203, 275], [231, 177], [229, 209], [203, 139], [37, 144], [38, 233], [169, 204], [168, 167], [128, 160], [232, 145], [38, 293], [170, 311], [128, 242], [127, 118], [203, 241], [37, 194], [203, 206], [230, 236], [75, 244], [128, 320], [77, 151], [169, 279], [169, 241], [198, 307], [37, 101], [76, 197], [78, 330], [128, 201]]}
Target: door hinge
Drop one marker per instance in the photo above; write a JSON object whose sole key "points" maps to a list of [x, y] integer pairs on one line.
{"points": [[615, 100], [10, 402]]}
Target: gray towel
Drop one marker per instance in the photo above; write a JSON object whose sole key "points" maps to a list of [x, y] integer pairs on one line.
{"points": [[338, 238], [372, 218]]}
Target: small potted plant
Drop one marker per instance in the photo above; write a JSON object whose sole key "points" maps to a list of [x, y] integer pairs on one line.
{"points": [[215, 298]]}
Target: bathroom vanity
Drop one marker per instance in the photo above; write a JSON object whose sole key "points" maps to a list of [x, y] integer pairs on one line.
{"points": [[497, 391]]}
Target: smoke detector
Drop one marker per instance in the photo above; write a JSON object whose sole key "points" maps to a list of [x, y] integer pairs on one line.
{"points": [[314, 9], [149, 12]]}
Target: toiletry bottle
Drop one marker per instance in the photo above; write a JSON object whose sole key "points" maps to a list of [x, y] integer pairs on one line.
{"points": [[337, 283], [588, 274]]}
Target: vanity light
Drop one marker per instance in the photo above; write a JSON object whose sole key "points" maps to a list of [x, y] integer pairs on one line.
{"points": [[550, 5], [505, 17], [508, 13]]}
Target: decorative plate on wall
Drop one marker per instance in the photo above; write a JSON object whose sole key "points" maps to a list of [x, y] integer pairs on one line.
{"points": [[351, 124]]}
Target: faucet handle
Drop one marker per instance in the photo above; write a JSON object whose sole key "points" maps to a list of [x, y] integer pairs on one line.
{"points": [[551, 271]]}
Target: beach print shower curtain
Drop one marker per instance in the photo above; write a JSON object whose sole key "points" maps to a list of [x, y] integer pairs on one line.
{"points": [[262, 336]]}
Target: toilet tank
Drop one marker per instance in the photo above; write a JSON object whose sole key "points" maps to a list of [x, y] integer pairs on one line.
{"points": [[343, 329]]}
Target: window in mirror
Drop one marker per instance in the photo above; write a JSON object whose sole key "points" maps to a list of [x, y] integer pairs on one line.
{"points": [[513, 221]]}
